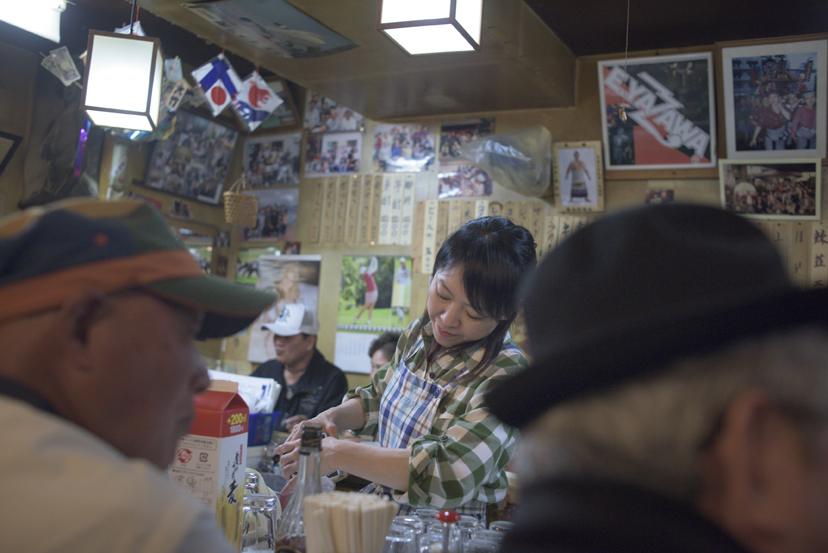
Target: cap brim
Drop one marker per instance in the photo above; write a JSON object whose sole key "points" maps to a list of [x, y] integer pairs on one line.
{"points": [[619, 355], [280, 329], [229, 307]]}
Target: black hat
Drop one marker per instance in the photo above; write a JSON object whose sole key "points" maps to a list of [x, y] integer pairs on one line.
{"points": [[635, 290]]}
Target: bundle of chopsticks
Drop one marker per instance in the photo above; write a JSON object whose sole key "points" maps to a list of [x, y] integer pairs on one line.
{"points": [[341, 522]]}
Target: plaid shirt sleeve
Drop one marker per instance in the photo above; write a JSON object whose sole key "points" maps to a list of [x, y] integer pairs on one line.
{"points": [[465, 456]]}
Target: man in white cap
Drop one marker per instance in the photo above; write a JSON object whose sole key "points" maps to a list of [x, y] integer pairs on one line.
{"points": [[310, 383]]}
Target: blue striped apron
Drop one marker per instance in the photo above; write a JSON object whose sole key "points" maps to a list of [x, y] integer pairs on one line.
{"points": [[407, 411]]}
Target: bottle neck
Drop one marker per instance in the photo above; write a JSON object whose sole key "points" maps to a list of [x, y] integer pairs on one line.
{"points": [[309, 478]]}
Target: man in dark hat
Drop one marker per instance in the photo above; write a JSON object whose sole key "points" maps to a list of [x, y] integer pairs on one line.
{"points": [[100, 305], [678, 396]]}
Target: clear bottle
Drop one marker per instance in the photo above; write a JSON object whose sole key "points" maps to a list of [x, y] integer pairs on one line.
{"points": [[290, 533]]}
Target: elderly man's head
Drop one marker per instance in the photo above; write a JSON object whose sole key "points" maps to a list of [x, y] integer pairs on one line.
{"points": [[673, 353], [100, 306]]}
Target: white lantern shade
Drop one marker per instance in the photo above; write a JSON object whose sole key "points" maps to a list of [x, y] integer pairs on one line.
{"points": [[432, 26], [122, 85]]}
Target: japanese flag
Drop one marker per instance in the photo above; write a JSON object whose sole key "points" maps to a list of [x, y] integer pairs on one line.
{"points": [[255, 101], [219, 81]]}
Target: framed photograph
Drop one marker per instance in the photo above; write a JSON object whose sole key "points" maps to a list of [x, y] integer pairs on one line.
{"points": [[578, 176], [462, 179], [193, 160], [774, 99], [323, 115], [785, 189], [286, 116], [402, 148], [333, 153], [276, 218], [8, 144], [658, 112], [455, 134], [272, 160]]}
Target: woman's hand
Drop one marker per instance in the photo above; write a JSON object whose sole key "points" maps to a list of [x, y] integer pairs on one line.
{"points": [[328, 426], [289, 460]]}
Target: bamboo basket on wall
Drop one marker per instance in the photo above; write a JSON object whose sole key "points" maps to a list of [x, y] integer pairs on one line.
{"points": [[240, 207]]}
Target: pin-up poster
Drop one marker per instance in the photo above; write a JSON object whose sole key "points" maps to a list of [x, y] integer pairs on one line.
{"points": [[296, 279], [658, 112], [375, 298]]}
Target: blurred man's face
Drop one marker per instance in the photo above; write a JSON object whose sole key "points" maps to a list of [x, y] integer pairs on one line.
{"points": [[143, 353], [378, 361], [290, 350]]}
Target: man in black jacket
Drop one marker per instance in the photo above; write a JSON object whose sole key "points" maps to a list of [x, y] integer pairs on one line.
{"points": [[310, 384], [678, 396]]}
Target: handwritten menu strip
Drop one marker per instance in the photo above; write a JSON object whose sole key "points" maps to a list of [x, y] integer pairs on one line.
{"points": [[798, 260], [376, 209], [341, 208], [510, 210], [317, 195], [466, 212], [535, 224], [366, 192], [417, 239], [455, 210], [780, 235], [441, 229], [352, 221], [396, 209], [429, 235], [407, 211], [481, 208], [386, 208], [819, 254], [328, 211]]}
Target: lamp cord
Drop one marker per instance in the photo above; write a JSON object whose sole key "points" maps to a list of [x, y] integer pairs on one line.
{"points": [[132, 17], [626, 40]]}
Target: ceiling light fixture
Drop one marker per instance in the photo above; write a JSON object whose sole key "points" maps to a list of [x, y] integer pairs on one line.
{"points": [[432, 26], [41, 17], [122, 84]]}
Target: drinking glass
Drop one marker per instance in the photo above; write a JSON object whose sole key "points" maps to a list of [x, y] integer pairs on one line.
{"points": [[259, 522], [400, 539], [414, 523], [476, 545], [429, 518], [432, 542], [501, 525]]}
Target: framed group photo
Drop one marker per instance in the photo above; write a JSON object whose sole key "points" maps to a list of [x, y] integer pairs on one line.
{"points": [[658, 112], [577, 174], [272, 160], [193, 161], [783, 189], [774, 97]]}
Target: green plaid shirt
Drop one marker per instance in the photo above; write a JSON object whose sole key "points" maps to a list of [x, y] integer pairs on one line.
{"points": [[464, 457]]}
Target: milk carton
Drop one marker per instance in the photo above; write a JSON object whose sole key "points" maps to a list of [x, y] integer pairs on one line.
{"points": [[210, 460]]}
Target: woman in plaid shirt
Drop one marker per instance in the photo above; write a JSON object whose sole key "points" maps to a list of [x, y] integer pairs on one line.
{"points": [[439, 444]]}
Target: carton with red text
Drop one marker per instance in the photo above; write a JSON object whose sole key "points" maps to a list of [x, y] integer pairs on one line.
{"points": [[210, 460]]}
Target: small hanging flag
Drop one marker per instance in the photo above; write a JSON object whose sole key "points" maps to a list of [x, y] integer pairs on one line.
{"points": [[255, 101], [219, 81]]}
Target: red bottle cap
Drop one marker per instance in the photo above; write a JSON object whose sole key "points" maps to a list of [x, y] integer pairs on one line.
{"points": [[448, 516]]}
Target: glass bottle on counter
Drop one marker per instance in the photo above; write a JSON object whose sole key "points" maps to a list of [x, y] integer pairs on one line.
{"points": [[290, 533]]}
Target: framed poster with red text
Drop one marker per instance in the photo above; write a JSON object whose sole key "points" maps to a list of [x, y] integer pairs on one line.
{"points": [[658, 112]]}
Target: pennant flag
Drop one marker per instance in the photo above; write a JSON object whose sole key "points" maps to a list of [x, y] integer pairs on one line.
{"points": [[219, 81], [255, 101]]}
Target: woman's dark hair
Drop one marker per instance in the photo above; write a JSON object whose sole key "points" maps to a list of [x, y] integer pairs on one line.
{"points": [[386, 342], [494, 253]]}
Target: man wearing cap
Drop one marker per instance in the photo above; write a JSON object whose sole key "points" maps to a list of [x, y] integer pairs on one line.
{"points": [[310, 384], [100, 305], [678, 395]]}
